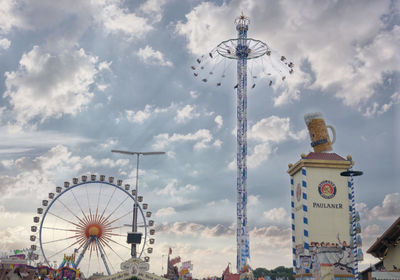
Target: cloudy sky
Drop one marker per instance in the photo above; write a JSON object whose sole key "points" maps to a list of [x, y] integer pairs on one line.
{"points": [[79, 78]]}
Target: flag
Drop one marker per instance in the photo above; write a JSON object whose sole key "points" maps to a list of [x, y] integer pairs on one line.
{"points": [[170, 251], [226, 273], [176, 260]]}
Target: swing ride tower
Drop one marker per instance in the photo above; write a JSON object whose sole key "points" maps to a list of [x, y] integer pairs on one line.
{"points": [[242, 49]]}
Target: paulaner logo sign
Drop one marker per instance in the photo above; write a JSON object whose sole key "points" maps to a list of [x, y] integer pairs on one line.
{"points": [[327, 189]]}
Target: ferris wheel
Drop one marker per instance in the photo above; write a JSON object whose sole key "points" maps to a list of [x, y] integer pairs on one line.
{"points": [[90, 219]]}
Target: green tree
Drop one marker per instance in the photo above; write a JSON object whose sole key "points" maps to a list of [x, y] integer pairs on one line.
{"points": [[260, 272], [278, 272]]}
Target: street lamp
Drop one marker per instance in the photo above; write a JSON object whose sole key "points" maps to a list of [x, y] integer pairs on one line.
{"points": [[350, 173], [135, 205], [162, 265]]}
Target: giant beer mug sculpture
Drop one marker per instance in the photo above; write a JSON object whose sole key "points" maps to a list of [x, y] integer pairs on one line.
{"points": [[319, 135]]}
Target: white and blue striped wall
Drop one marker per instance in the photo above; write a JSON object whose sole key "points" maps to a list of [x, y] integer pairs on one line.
{"points": [[292, 192], [305, 214]]}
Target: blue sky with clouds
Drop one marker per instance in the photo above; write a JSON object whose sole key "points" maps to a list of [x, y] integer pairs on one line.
{"points": [[79, 78]]}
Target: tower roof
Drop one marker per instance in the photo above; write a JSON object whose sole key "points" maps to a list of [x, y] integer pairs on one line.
{"points": [[324, 156], [324, 160]]}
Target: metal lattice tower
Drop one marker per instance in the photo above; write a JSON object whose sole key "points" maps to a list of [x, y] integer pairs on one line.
{"points": [[242, 49]]}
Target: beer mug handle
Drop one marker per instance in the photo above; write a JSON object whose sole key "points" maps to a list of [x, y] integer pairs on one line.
{"points": [[333, 133]]}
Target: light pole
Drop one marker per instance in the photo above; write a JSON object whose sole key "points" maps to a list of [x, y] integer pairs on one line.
{"points": [[350, 173], [135, 205], [162, 265]]}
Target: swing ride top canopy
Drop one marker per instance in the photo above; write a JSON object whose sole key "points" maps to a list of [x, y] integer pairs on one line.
{"points": [[254, 48]]}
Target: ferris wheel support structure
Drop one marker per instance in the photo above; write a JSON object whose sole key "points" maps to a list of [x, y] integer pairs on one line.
{"points": [[90, 217]]}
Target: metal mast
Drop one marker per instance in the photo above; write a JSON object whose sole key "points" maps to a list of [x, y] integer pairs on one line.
{"points": [[243, 49], [242, 236]]}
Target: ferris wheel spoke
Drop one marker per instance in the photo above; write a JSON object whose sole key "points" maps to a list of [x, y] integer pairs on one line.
{"points": [[90, 208], [79, 205], [58, 240], [112, 228], [98, 200], [106, 219], [113, 221], [116, 234], [102, 214], [62, 229], [63, 249], [66, 207], [68, 221], [106, 244], [111, 240]]}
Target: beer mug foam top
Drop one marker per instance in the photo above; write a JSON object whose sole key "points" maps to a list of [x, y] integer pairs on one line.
{"points": [[318, 130]]}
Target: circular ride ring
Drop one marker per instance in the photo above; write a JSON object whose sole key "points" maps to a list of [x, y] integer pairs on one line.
{"points": [[91, 219], [253, 48]]}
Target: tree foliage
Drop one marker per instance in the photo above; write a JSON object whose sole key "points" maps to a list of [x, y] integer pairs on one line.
{"points": [[276, 273]]}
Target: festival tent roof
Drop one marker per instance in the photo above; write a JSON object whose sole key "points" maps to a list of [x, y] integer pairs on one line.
{"points": [[388, 238]]}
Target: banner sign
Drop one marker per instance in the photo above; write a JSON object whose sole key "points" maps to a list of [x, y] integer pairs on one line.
{"points": [[186, 265], [175, 260]]}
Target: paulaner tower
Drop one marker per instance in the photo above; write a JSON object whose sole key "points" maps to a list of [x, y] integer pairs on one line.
{"points": [[325, 225]]}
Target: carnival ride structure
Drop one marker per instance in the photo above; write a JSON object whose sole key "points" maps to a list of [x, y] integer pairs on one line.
{"points": [[243, 49], [91, 219]]}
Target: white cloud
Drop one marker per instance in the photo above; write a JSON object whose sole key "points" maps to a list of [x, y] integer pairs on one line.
{"points": [[350, 67], [275, 129], [260, 154], [139, 116], [203, 28], [150, 56], [171, 189], [14, 138], [217, 143], [42, 172], [163, 212], [47, 85], [266, 133], [194, 229], [194, 94], [276, 215], [13, 238], [153, 8], [254, 200], [8, 16], [389, 209], [202, 139], [375, 110], [219, 121], [109, 143], [117, 19], [4, 43], [104, 65], [112, 15], [186, 113]]}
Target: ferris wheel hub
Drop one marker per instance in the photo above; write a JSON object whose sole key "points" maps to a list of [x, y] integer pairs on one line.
{"points": [[94, 230]]}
